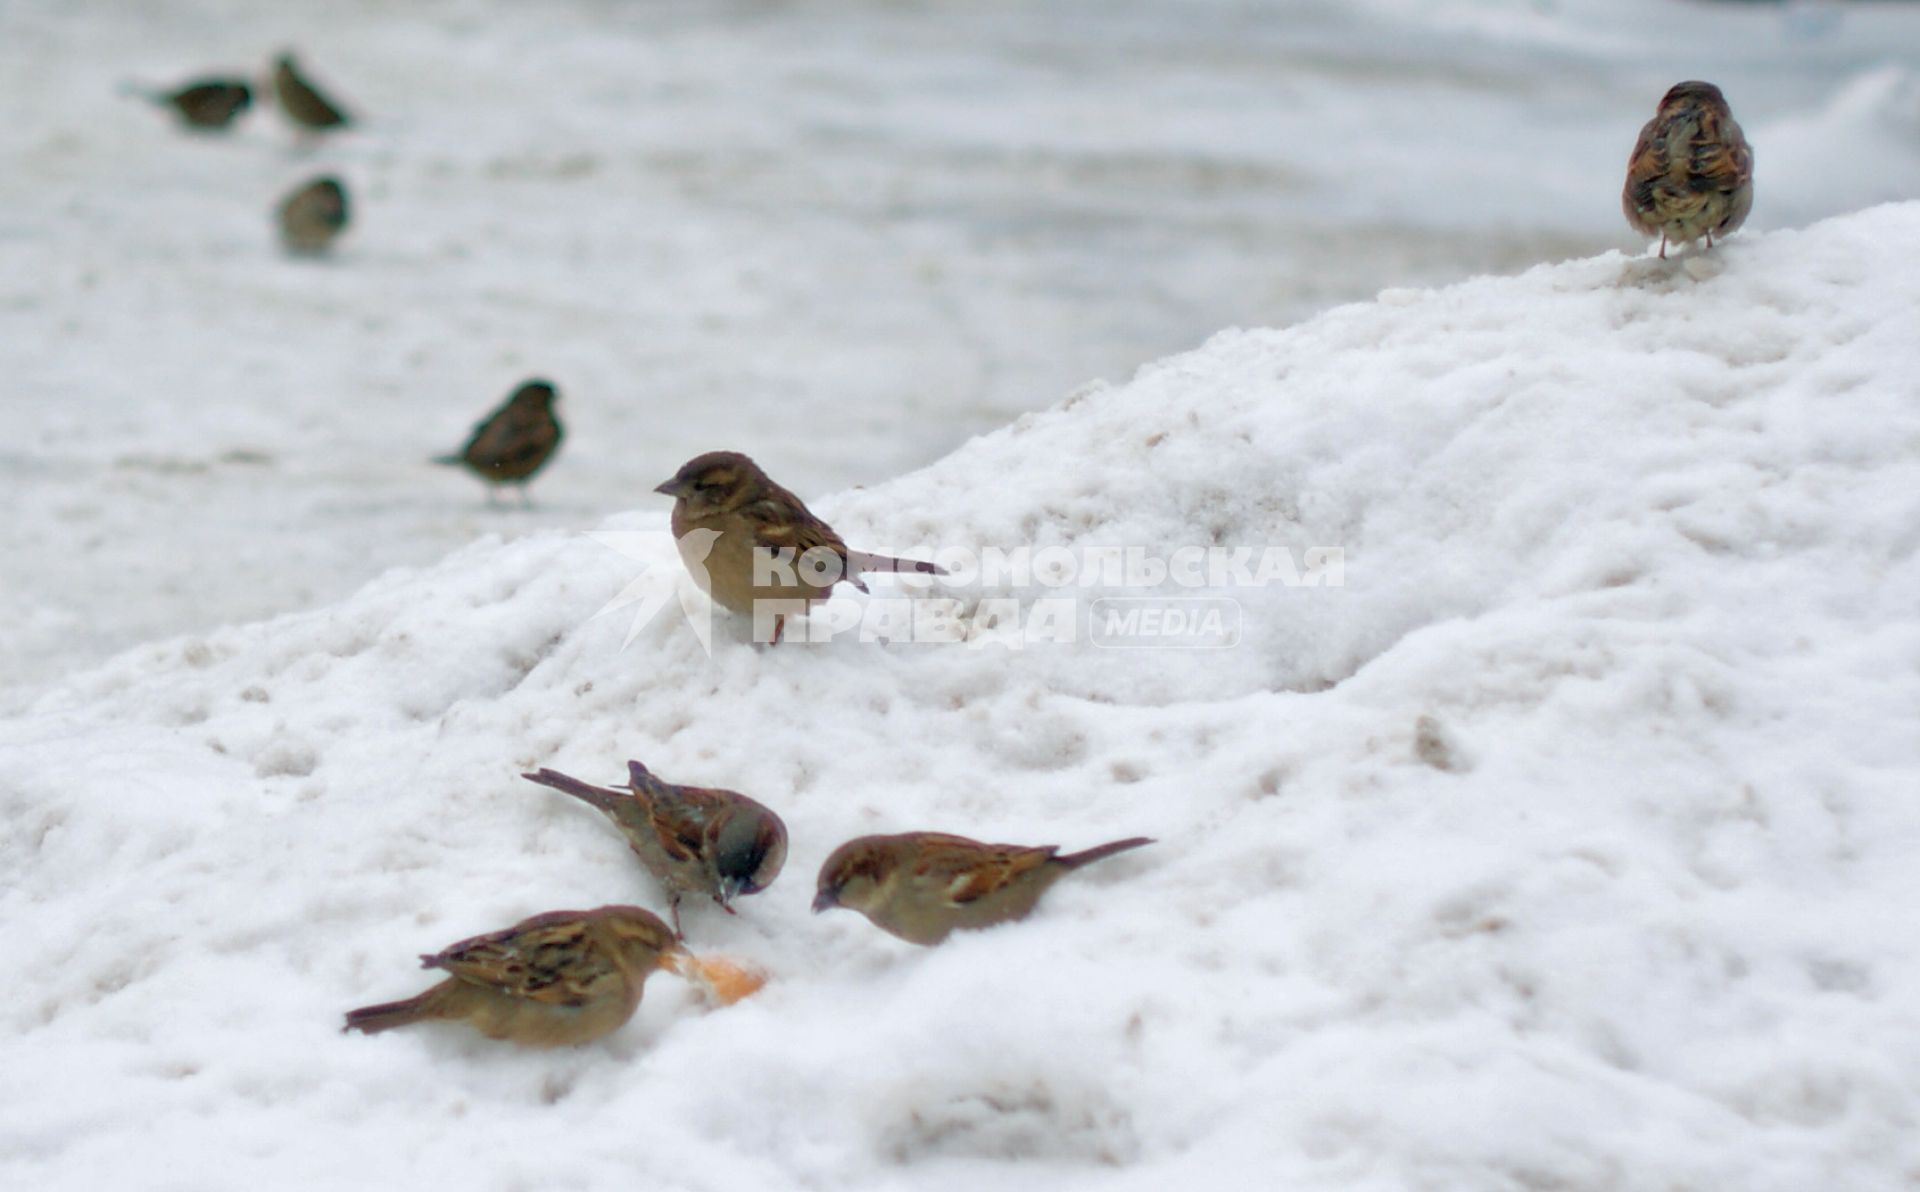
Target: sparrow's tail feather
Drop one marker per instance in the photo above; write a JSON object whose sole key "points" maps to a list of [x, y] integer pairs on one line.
{"points": [[643, 779], [601, 797], [861, 561], [1100, 852], [372, 1020]]}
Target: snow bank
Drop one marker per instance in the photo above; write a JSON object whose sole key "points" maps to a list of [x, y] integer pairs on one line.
{"points": [[893, 225], [1568, 844]]}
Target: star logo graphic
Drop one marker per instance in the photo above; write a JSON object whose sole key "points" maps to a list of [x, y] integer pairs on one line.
{"points": [[652, 589]]}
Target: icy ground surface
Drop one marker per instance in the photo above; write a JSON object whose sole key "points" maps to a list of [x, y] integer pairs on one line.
{"points": [[1569, 844], [843, 235]]}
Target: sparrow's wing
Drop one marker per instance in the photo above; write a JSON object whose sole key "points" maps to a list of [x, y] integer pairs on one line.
{"points": [[509, 437], [781, 520], [549, 958], [319, 204], [297, 93], [961, 871], [483, 431], [1648, 165], [681, 817], [219, 92], [1721, 159]]}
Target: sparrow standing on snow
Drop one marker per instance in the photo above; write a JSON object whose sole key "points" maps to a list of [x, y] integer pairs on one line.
{"points": [[695, 840], [921, 886], [313, 216], [726, 493], [301, 100], [514, 441], [554, 980], [204, 103], [1691, 173]]}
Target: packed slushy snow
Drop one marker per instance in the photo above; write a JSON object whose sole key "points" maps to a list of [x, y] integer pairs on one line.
{"points": [[1567, 841]]}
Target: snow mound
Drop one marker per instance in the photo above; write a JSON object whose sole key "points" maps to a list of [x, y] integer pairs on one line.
{"points": [[1567, 843]]}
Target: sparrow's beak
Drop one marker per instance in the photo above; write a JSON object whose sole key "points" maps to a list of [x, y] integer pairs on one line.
{"points": [[729, 890], [826, 899], [672, 488]]}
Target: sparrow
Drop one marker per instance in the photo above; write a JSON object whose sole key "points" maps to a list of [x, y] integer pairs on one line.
{"points": [[514, 441], [921, 886], [211, 103], [1691, 173], [301, 100], [313, 216], [695, 840], [746, 513], [555, 980]]}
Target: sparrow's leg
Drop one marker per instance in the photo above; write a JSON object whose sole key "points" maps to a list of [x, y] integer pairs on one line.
{"points": [[779, 627], [673, 912], [526, 501], [1709, 237], [1663, 246]]}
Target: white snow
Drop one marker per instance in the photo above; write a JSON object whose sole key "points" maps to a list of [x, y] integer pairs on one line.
{"points": [[1568, 844], [846, 235]]}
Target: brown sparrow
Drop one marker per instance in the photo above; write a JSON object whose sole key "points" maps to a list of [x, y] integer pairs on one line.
{"points": [[921, 886], [554, 980], [301, 100], [749, 515], [514, 441], [205, 103], [313, 216], [1691, 173], [695, 840]]}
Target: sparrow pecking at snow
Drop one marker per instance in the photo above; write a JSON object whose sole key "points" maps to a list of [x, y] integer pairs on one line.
{"points": [[698, 840], [749, 515], [313, 216], [303, 102], [516, 440], [555, 980], [922, 886], [1691, 173], [211, 103]]}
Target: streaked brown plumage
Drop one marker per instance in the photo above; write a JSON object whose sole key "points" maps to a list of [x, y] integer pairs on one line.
{"points": [[554, 980], [726, 493], [210, 103], [516, 440], [922, 886], [303, 102], [313, 216], [696, 840], [1691, 173]]}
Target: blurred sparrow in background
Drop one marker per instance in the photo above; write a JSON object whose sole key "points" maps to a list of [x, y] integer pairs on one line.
{"points": [[554, 980], [301, 100], [514, 441], [1691, 173], [726, 493], [211, 103], [313, 216], [921, 886], [695, 840]]}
